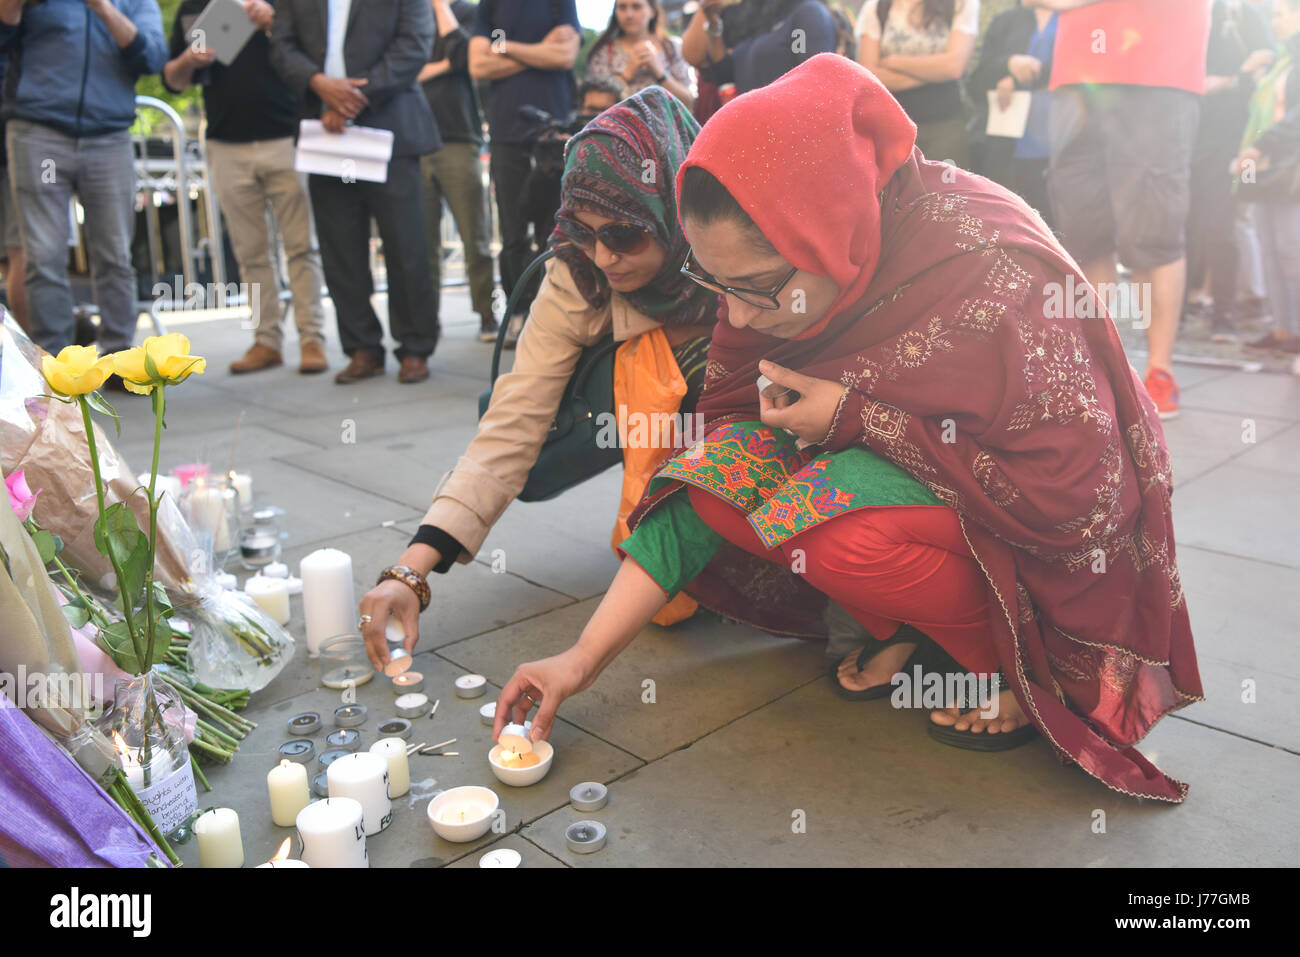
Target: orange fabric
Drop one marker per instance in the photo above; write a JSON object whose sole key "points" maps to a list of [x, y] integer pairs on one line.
{"points": [[886, 565], [648, 386]]}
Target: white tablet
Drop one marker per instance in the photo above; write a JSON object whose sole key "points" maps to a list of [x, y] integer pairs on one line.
{"points": [[224, 28]]}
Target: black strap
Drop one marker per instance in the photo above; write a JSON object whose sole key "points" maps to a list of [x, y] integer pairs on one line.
{"points": [[505, 319]]}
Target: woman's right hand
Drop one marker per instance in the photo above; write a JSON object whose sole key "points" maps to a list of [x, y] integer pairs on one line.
{"points": [[395, 598], [547, 683]]}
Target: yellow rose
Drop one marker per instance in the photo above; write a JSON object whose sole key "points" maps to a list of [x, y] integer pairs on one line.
{"points": [[76, 370], [161, 360]]}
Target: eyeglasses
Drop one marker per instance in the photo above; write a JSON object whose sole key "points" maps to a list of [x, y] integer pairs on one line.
{"points": [[755, 297], [626, 239]]}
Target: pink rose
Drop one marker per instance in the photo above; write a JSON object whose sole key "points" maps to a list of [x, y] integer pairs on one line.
{"points": [[21, 498]]}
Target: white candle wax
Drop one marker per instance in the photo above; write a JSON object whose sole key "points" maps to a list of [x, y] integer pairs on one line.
{"points": [[287, 787], [207, 507], [328, 602], [399, 768], [219, 842], [271, 595], [284, 863], [462, 812], [394, 633], [363, 777], [276, 570], [242, 483], [332, 833], [134, 770]]}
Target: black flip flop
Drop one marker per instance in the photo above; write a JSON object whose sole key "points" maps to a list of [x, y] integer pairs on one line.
{"points": [[983, 741], [905, 633]]}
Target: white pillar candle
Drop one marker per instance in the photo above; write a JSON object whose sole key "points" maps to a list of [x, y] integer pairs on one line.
{"points": [[399, 768], [328, 602], [271, 595], [288, 862], [207, 513], [332, 833], [363, 777], [242, 483], [219, 842], [287, 787]]}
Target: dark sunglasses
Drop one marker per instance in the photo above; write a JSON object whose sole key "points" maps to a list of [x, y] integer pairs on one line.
{"points": [[626, 239], [764, 299]]}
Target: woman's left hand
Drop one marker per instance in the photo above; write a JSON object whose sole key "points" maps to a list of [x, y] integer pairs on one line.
{"points": [[807, 415]]}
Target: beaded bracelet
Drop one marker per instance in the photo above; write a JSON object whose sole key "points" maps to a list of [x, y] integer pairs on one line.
{"points": [[403, 573]]}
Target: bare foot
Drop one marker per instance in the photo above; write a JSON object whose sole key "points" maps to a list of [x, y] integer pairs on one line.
{"points": [[880, 669], [1009, 717]]}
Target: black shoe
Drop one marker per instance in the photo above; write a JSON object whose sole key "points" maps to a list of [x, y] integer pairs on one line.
{"points": [[487, 330]]}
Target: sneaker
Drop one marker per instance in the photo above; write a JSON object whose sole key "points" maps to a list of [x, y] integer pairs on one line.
{"points": [[1162, 388], [1275, 341], [487, 330], [513, 331]]}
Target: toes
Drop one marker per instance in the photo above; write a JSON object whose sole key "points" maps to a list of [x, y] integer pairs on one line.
{"points": [[947, 717]]}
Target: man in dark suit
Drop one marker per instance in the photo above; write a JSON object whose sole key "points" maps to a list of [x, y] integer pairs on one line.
{"points": [[347, 67]]}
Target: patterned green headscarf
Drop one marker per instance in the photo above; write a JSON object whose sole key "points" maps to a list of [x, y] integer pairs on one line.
{"points": [[623, 164]]}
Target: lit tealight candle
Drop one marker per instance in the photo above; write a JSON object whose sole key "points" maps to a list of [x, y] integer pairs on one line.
{"points": [[411, 681], [399, 767], [282, 859], [287, 786], [517, 752], [462, 812], [130, 761], [219, 842]]}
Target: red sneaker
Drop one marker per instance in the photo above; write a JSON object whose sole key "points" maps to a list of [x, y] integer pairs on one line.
{"points": [[1162, 388]]}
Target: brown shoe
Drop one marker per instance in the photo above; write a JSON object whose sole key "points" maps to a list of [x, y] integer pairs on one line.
{"points": [[256, 359], [363, 366], [414, 369], [313, 358]]}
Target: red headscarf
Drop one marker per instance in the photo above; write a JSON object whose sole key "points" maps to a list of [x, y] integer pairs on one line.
{"points": [[966, 367], [829, 128]]}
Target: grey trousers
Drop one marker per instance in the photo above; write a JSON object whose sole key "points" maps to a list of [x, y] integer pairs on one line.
{"points": [[455, 173], [46, 168], [247, 177]]}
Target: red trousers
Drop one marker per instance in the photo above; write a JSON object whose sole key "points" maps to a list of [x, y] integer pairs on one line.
{"points": [[886, 565]]}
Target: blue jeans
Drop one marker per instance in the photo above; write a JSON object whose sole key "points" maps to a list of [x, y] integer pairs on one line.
{"points": [[46, 168]]}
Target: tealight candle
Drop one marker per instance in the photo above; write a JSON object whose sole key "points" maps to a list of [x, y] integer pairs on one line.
{"points": [[350, 716], [364, 778], [411, 681], [463, 813], [411, 705], [320, 785], [399, 768], [394, 631], [300, 749], [501, 857], [287, 786], [271, 595], [345, 738], [281, 857], [219, 841], [306, 723], [396, 728], [470, 686], [328, 601], [399, 660], [276, 570], [333, 754], [332, 833], [488, 713]]}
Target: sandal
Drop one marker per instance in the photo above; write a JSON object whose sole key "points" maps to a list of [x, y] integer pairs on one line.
{"points": [[905, 633], [983, 741]]}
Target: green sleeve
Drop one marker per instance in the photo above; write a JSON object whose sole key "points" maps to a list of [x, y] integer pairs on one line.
{"points": [[673, 544]]}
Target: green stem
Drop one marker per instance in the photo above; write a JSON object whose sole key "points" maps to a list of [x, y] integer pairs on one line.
{"points": [[198, 773], [120, 791], [159, 404], [99, 494], [221, 737]]}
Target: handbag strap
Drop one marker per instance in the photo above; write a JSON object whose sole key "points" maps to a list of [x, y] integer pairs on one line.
{"points": [[509, 311]]}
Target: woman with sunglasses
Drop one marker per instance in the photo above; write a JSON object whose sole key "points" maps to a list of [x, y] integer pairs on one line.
{"points": [[942, 451], [619, 250]]}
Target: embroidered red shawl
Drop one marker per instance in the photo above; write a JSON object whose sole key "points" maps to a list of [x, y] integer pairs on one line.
{"points": [[967, 366]]}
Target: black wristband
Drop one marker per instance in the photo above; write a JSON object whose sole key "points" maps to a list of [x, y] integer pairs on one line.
{"points": [[447, 546]]}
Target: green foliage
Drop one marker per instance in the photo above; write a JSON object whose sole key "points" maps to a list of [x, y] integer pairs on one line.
{"points": [[118, 536], [149, 121]]}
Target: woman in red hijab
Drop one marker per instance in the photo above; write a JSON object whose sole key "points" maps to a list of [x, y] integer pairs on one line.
{"points": [[951, 448]]}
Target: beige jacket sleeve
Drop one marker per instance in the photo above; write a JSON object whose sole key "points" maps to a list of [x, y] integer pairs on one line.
{"points": [[493, 469]]}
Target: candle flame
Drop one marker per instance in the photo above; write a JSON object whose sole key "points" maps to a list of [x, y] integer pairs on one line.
{"points": [[284, 763], [282, 854], [120, 744]]}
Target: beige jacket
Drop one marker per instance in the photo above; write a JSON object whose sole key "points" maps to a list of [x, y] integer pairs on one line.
{"points": [[492, 471]]}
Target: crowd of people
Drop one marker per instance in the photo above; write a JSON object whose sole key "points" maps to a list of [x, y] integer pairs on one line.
{"points": [[795, 190]]}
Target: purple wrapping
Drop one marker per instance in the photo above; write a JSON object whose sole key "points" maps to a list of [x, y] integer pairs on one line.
{"points": [[54, 815]]}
